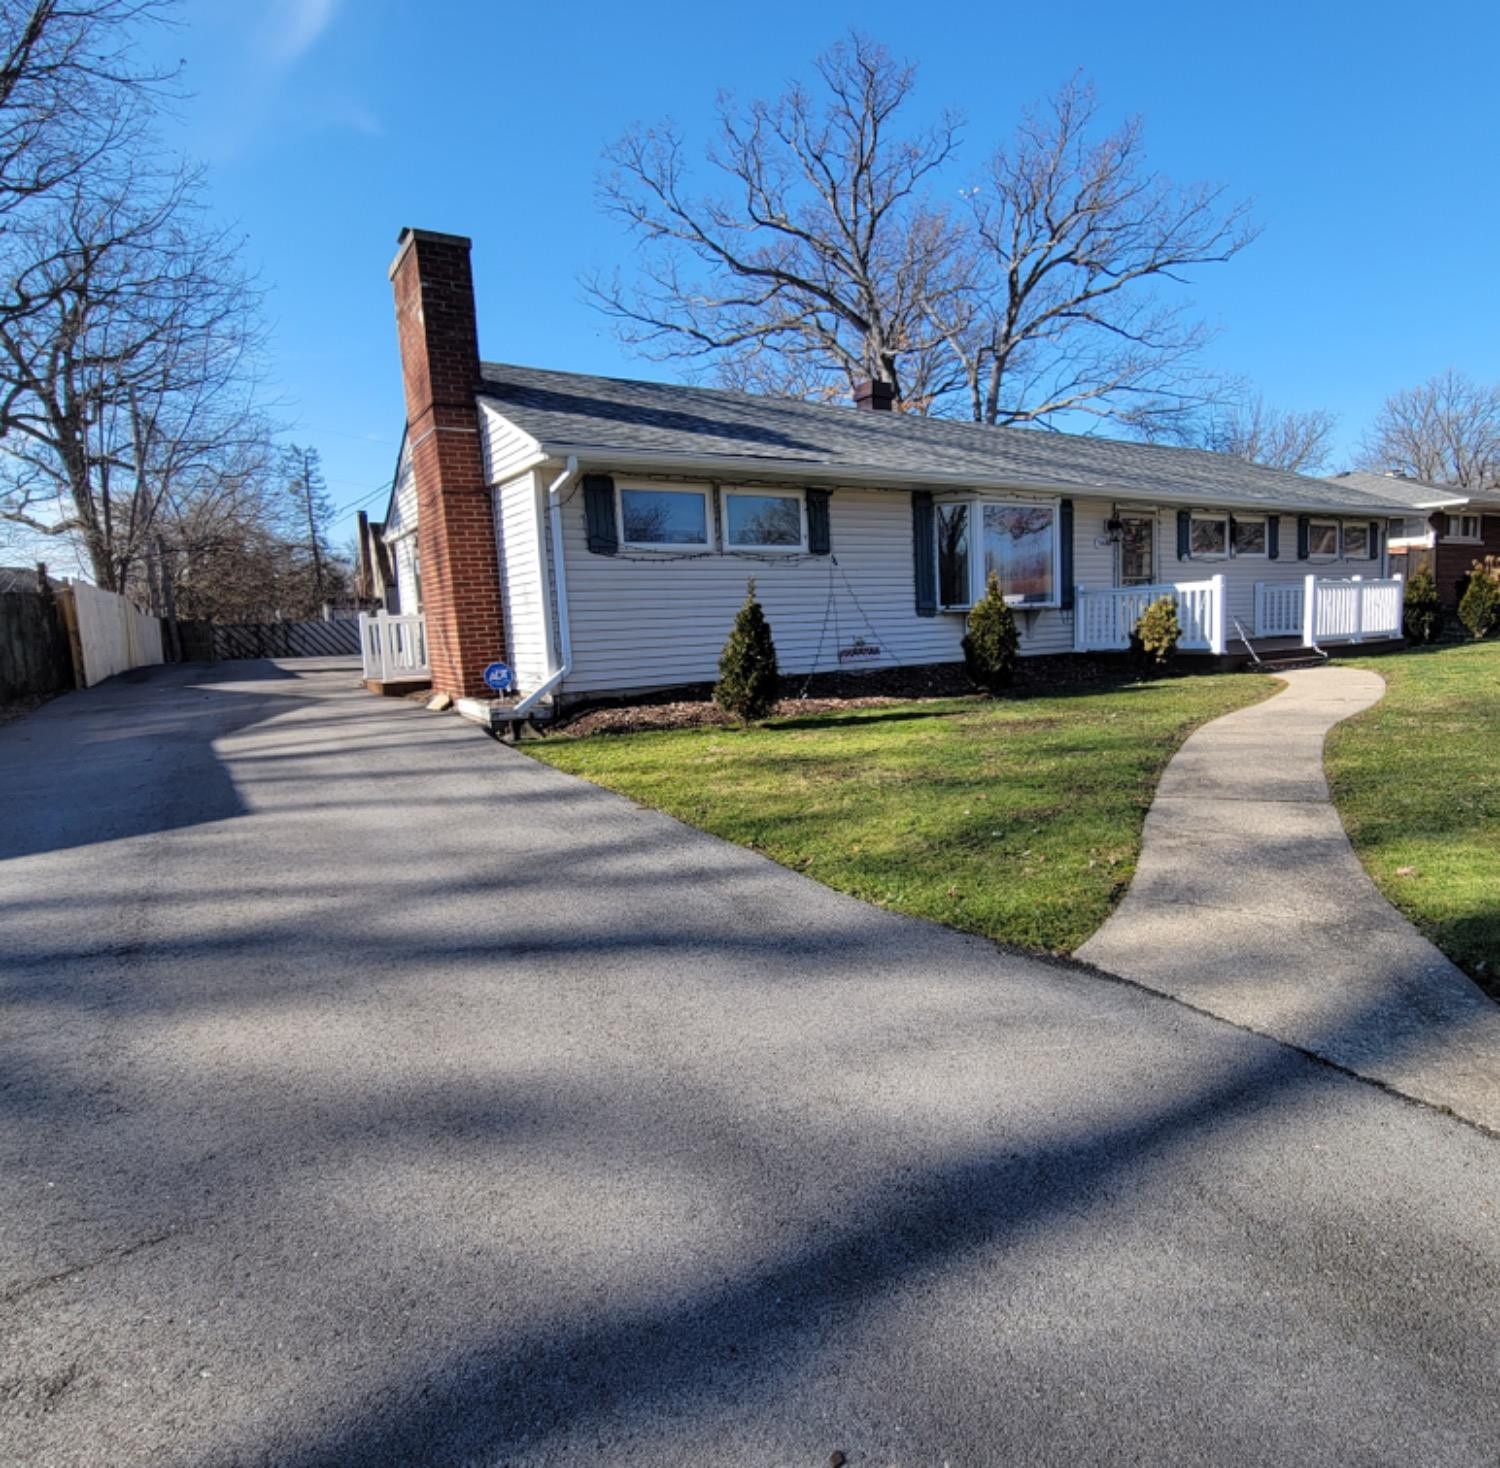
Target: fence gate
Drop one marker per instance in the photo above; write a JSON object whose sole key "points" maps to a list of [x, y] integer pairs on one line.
{"points": [[287, 640]]}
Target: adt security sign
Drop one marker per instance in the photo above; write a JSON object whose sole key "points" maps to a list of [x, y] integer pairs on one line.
{"points": [[498, 676]]}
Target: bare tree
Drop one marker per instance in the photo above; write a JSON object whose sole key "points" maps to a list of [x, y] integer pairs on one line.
{"points": [[821, 264], [74, 100], [1299, 442], [825, 261], [1243, 425], [132, 371], [302, 472], [1447, 431], [1073, 235]]}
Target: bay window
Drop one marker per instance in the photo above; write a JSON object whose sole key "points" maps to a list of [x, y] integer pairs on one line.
{"points": [[1018, 543], [955, 589]]}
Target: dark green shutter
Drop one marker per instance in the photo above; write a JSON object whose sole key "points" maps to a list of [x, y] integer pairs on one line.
{"points": [[1273, 537], [1184, 535], [1301, 537], [924, 551], [819, 542], [1229, 542], [599, 513], [1374, 540], [1065, 559]]}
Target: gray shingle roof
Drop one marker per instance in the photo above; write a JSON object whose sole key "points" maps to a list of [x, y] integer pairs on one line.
{"points": [[694, 427], [1411, 492]]}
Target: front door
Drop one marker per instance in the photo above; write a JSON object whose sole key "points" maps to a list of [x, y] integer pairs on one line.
{"points": [[1137, 560]]}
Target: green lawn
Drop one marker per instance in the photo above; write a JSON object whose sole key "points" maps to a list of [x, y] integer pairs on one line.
{"points": [[1019, 818], [1417, 782]]}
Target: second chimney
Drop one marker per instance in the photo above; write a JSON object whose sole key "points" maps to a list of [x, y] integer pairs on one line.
{"points": [[878, 397]]}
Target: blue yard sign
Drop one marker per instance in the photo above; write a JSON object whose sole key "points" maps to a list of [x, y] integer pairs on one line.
{"points": [[498, 676]]}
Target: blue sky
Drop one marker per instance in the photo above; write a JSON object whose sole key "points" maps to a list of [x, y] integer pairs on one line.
{"points": [[1366, 136]]}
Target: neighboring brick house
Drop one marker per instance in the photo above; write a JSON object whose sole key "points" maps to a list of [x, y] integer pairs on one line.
{"points": [[1448, 530], [597, 534]]}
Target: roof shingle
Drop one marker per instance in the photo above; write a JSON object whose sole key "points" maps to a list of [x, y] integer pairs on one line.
{"points": [[569, 412]]}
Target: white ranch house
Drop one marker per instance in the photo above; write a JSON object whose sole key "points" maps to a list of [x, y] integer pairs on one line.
{"points": [[628, 516]]}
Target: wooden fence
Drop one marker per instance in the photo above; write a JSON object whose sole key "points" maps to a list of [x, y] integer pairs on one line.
{"points": [[111, 634], [34, 652], [287, 640]]}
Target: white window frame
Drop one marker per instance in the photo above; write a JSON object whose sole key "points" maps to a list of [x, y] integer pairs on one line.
{"points": [[1137, 512], [746, 491], [1338, 538], [1345, 526], [1404, 536], [703, 493], [1458, 537], [1264, 552], [1222, 516], [976, 552], [967, 604]]}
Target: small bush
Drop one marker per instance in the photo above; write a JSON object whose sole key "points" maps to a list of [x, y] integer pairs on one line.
{"points": [[749, 681], [991, 644], [1424, 612], [1157, 633], [1479, 610]]}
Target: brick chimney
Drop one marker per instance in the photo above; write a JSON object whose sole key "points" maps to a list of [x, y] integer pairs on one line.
{"points": [[439, 339], [878, 397]]}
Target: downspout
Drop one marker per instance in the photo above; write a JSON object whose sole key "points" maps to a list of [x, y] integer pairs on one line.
{"points": [[560, 576]]}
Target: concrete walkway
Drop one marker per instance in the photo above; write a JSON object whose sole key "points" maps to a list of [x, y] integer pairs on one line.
{"points": [[1250, 903]]}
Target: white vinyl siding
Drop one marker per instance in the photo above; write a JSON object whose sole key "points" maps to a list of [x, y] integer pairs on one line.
{"points": [[1241, 572], [400, 534], [407, 586], [656, 621], [523, 577], [505, 449]]}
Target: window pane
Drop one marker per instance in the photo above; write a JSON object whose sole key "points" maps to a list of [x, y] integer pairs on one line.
{"points": [[1018, 546], [1356, 541], [663, 517], [1322, 540], [953, 555], [1250, 537], [1210, 536], [763, 519], [1137, 558]]}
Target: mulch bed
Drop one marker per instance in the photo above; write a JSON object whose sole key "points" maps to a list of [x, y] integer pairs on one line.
{"points": [[832, 693], [704, 713]]}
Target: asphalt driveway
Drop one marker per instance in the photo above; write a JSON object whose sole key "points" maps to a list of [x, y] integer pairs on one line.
{"points": [[370, 1094]]}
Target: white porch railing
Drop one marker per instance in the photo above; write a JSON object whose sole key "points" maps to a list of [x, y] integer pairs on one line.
{"points": [[1330, 608], [1352, 609], [394, 648], [1103, 620], [1279, 608]]}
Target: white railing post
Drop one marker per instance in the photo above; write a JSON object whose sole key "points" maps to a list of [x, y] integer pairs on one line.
{"points": [[1080, 638], [1310, 611], [1218, 639], [1359, 609]]}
